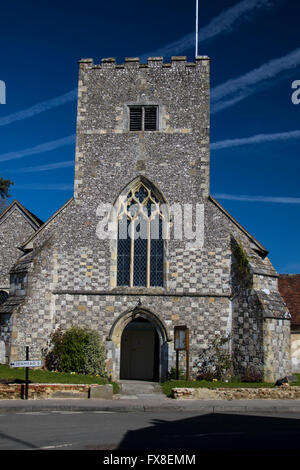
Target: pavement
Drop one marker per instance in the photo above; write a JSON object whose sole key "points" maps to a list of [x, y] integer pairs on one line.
{"points": [[138, 396]]}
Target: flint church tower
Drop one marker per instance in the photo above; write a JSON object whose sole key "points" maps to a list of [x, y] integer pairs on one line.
{"points": [[143, 142]]}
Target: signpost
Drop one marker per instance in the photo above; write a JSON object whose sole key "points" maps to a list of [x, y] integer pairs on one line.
{"points": [[26, 364], [181, 343]]}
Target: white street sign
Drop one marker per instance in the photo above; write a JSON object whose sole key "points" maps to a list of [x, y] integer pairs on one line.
{"points": [[26, 364]]}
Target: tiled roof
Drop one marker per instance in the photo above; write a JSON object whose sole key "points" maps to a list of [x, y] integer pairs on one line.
{"points": [[289, 288]]}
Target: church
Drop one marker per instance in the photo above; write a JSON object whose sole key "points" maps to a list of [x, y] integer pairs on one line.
{"points": [[142, 247]]}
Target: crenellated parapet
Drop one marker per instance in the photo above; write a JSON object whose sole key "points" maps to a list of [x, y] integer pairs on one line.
{"points": [[152, 62]]}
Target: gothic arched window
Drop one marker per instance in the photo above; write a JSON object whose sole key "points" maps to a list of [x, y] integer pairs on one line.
{"points": [[140, 239]]}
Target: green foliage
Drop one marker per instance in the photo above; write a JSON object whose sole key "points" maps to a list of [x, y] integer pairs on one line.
{"points": [[242, 263], [76, 350], [46, 376], [172, 374], [215, 361], [4, 187], [95, 355]]}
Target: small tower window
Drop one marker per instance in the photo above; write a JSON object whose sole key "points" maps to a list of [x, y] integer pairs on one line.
{"points": [[143, 118]]}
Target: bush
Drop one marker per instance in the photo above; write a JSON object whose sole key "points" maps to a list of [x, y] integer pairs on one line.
{"points": [[76, 350], [172, 374], [252, 374], [209, 376], [214, 362]]}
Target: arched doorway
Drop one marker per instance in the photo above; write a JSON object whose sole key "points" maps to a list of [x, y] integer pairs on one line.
{"points": [[140, 351], [161, 349]]}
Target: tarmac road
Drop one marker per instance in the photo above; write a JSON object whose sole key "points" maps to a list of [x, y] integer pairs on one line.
{"points": [[168, 430]]}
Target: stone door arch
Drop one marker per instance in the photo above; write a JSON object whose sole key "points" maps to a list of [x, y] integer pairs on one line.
{"points": [[128, 326]]}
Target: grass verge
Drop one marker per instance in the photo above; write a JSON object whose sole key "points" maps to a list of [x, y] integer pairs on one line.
{"points": [[45, 376], [167, 386]]}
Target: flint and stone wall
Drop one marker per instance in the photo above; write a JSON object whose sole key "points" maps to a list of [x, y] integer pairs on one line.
{"points": [[14, 230]]}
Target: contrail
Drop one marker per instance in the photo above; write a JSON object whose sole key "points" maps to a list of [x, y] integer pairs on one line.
{"points": [[223, 23], [69, 140], [236, 89], [272, 199], [46, 147], [38, 168], [256, 139], [45, 187], [39, 108]]}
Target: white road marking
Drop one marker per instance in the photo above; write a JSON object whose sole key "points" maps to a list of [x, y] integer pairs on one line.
{"points": [[53, 447]]}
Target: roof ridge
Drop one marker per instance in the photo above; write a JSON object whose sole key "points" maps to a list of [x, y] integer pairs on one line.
{"points": [[245, 231], [45, 224], [28, 213]]}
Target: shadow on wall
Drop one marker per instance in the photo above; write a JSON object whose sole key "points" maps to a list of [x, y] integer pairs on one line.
{"points": [[3, 296]]}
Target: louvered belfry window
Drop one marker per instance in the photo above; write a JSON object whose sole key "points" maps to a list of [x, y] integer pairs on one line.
{"points": [[143, 118], [140, 239]]}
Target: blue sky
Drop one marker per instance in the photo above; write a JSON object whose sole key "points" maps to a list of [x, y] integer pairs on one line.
{"points": [[255, 135]]}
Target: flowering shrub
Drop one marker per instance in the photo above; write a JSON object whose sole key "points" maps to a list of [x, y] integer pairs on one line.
{"points": [[78, 350], [215, 361]]}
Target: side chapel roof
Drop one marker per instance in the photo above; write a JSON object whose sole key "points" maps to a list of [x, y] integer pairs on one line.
{"points": [[32, 218]]}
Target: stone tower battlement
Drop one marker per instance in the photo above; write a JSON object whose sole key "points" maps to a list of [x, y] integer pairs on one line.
{"points": [[176, 61]]}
